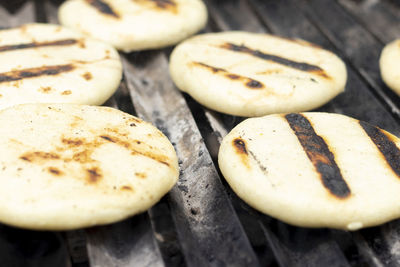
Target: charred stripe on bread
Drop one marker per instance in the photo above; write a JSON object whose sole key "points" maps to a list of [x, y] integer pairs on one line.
{"points": [[17, 75], [302, 66], [248, 82], [241, 149], [385, 145], [103, 7], [319, 154], [164, 3], [160, 5], [38, 44]]}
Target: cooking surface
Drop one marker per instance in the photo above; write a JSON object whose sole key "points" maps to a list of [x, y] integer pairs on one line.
{"points": [[201, 222]]}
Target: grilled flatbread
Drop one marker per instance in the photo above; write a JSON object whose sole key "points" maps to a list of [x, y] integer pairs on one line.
{"points": [[43, 63], [248, 74], [390, 66], [315, 169], [67, 166], [132, 25]]}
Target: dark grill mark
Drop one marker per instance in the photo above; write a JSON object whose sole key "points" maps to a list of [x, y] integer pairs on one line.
{"points": [[280, 60], [214, 69], [260, 165], [45, 89], [72, 142], [387, 147], [128, 145], [141, 175], [127, 187], [233, 76], [54, 171], [17, 75], [164, 3], [94, 175], [87, 76], [103, 7], [67, 92], [39, 156], [254, 84], [107, 138], [36, 45], [240, 145], [248, 82], [319, 154]]}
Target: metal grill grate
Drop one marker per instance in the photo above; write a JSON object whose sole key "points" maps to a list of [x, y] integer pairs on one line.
{"points": [[201, 222]]}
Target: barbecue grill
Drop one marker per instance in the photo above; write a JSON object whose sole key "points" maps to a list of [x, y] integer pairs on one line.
{"points": [[201, 222]]}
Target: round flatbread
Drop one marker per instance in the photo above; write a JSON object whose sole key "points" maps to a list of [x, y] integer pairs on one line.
{"points": [[67, 166], [390, 65], [248, 74], [44, 63], [132, 25], [315, 169]]}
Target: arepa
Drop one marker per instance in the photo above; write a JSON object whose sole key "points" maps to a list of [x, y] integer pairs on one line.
{"points": [[67, 166], [43, 63], [315, 169], [132, 25], [390, 66], [249, 74]]}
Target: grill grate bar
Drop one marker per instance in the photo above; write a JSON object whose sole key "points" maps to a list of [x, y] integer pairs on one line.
{"points": [[305, 247], [50, 10], [213, 129], [76, 244], [351, 38], [376, 16], [208, 229], [221, 12], [383, 243], [366, 252], [127, 243], [20, 247], [391, 236], [165, 233], [25, 14], [4, 18]]}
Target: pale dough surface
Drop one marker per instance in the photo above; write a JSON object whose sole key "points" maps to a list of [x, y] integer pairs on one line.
{"points": [[67, 166], [248, 74], [390, 65], [271, 171], [132, 25], [44, 63]]}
